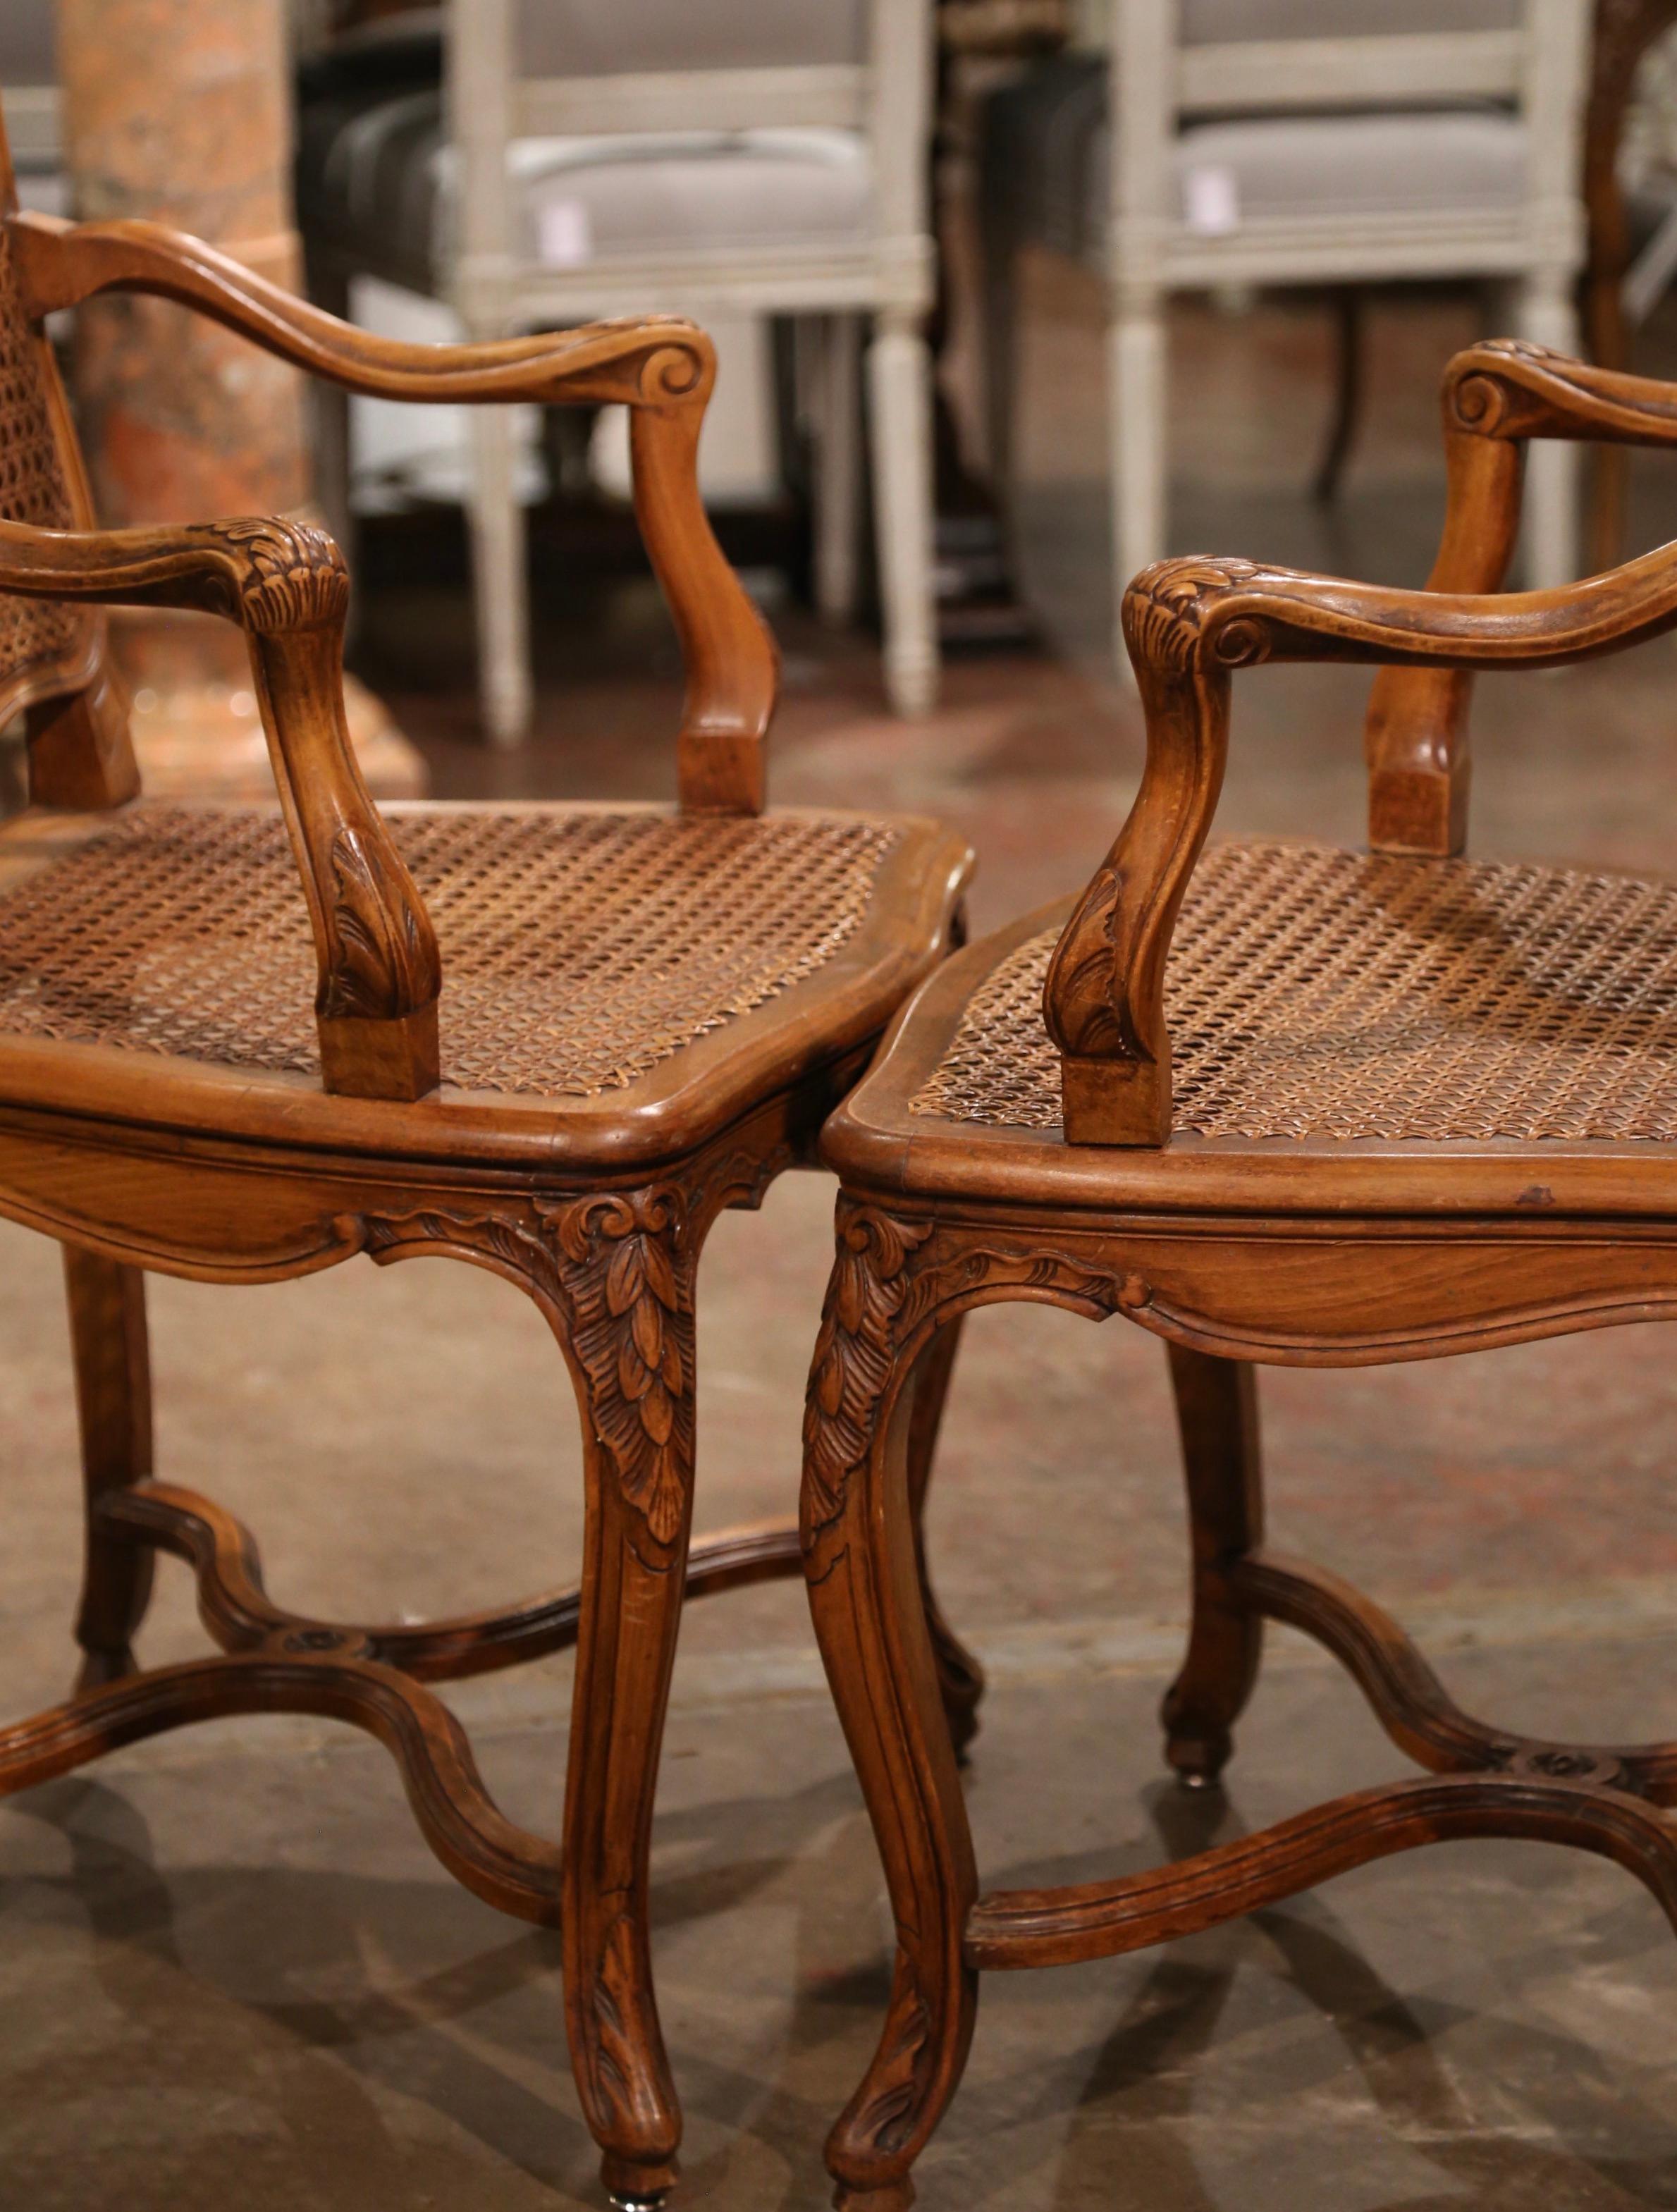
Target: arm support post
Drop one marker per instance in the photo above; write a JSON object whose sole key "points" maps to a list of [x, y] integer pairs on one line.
{"points": [[662, 368], [1496, 397], [286, 586]]}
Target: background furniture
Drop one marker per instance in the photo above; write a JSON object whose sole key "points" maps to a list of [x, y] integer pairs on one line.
{"points": [[645, 1016], [1294, 143], [609, 156], [30, 97], [1291, 1106], [1633, 251]]}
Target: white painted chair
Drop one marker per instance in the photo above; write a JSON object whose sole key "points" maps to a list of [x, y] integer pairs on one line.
{"points": [[31, 100], [706, 157], [1281, 142]]}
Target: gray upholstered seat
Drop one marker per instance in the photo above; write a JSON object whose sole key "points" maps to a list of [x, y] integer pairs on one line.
{"points": [[1431, 159], [1048, 148], [382, 181]]}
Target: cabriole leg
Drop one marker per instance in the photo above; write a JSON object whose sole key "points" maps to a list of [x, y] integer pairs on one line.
{"points": [[1217, 1410], [960, 1677], [870, 1619], [107, 1335], [626, 1271]]}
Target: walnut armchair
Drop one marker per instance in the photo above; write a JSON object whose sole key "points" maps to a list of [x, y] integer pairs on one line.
{"points": [[552, 1041], [1278, 1105]]}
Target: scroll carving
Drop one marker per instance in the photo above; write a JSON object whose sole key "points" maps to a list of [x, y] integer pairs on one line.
{"points": [[1169, 611], [881, 1296], [1509, 388]]}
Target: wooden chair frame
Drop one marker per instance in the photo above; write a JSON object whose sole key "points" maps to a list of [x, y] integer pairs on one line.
{"points": [[1308, 1254], [598, 1213]]}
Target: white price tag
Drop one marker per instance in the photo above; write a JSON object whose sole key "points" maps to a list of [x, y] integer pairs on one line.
{"points": [[1211, 201], [564, 236]]}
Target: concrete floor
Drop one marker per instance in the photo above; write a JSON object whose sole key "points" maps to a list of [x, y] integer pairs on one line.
{"points": [[229, 1974]]}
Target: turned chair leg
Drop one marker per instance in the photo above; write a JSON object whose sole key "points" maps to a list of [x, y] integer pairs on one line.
{"points": [[1217, 1410], [860, 1558], [108, 1334], [960, 1677]]}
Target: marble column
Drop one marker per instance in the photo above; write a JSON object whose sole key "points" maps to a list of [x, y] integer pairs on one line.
{"points": [[180, 111]]}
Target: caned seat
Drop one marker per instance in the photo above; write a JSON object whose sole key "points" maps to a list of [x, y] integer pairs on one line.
{"points": [[1280, 1104], [603, 966], [1363, 998], [556, 1041]]}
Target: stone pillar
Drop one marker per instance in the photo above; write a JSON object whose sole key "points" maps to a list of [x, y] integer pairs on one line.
{"points": [[180, 111]]}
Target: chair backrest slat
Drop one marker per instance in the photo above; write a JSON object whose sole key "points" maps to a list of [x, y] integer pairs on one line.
{"points": [[800, 94], [1253, 76]]}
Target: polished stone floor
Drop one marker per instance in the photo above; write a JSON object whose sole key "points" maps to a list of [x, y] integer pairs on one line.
{"points": [[230, 1975]]}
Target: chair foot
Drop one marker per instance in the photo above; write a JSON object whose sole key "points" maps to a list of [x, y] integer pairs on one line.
{"points": [[1198, 1766], [896, 2196], [631, 2187], [99, 1668]]}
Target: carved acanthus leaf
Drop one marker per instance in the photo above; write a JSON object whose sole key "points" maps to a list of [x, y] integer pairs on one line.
{"points": [[625, 1278], [895, 2089], [1077, 1004], [1169, 611], [286, 575], [615, 2060], [854, 1352], [384, 958]]}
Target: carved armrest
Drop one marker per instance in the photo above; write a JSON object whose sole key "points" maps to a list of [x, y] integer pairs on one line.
{"points": [[287, 587], [1188, 624], [1496, 396], [662, 368]]}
